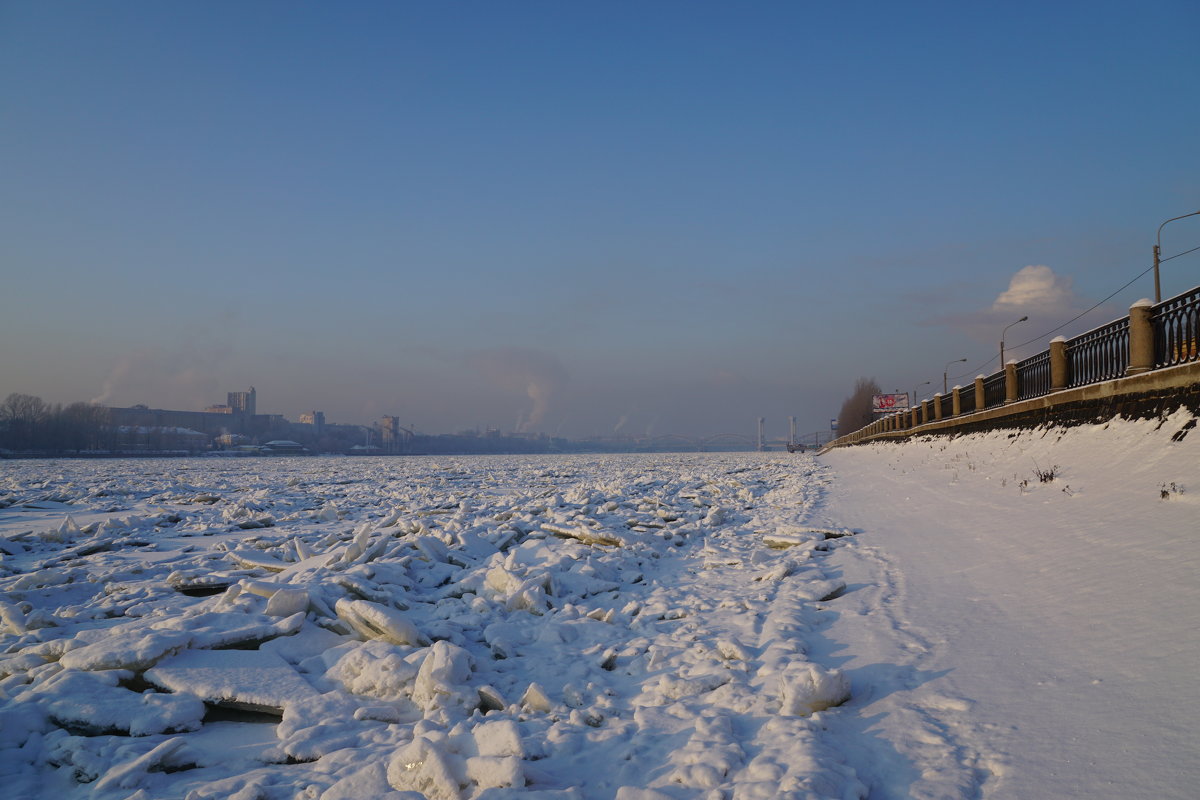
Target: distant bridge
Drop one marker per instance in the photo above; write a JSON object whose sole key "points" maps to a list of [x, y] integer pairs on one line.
{"points": [[729, 441]]}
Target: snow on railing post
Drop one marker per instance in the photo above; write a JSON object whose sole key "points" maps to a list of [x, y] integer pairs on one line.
{"points": [[1011, 389], [1141, 338], [1059, 364]]}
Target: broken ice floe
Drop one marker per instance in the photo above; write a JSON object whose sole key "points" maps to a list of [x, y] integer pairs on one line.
{"points": [[469, 634]]}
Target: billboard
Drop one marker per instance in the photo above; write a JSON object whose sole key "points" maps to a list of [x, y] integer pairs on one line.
{"points": [[888, 403]]}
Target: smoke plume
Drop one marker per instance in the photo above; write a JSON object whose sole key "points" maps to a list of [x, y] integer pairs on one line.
{"points": [[536, 373]]}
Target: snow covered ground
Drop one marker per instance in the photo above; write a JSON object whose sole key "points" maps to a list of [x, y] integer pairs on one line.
{"points": [[926, 620], [1050, 630]]}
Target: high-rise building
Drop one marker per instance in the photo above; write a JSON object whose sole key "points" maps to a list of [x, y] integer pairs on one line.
{"points": [[391, 435], [243, 402]]}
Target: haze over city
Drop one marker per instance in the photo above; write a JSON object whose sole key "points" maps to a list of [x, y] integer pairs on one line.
{"points": [[577, 219]]}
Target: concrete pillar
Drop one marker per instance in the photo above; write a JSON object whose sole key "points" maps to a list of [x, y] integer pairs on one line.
{"points": [[1010, 382], [937, 406], [980, 404], [925, 414], [1141, 338], [916, 417], [1059, 368], [956, 401]]}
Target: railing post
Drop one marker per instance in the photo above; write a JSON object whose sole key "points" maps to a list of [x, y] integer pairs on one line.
{"points": [[937, 405], [1141, 338], [924, 411], [956, 401], [915, 413], [980, 397], [1059, 378], [1011, 390]]}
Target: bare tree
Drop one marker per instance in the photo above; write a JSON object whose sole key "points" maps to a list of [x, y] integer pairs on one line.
{"points": [[857, 408], [22, 416]]}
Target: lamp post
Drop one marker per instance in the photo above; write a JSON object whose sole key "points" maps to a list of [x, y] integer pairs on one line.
{"points": [[1002, 335], [946, 371], [914, 400], [1158, 252]]}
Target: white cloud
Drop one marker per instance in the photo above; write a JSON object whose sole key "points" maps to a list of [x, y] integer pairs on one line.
{"points": [[1036, 288]]}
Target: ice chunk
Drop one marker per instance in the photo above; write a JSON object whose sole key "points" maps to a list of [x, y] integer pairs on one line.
{"points": [[491, 772], [586, 535], [286, 602], [131, 774], [135, 650], [367, 781], [40, 578], [441, 681], [732, 650], [379, 622], [431, 548], [427, 767], [490, 699], [780, 541], [499, 738], [248, 679], [806, 688], [12, 618], [254, 559], [92, 703], [377, 669], [535, 699], [319, 724]]}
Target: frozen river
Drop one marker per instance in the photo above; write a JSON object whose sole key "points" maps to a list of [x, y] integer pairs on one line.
{"points": [[893, 622], [462, 627]]}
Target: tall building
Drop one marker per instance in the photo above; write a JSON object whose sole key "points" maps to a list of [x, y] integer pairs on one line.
{"points": [[243, 402], [391, 435]]}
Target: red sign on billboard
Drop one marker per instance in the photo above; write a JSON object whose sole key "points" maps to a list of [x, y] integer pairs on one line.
{"points": [[888, 403]]}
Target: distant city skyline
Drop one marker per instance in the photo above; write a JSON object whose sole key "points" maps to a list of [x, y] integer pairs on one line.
{"points": [[577, 219]]}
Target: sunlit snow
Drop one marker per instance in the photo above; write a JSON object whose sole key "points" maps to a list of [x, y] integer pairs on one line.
{"points": [[655, 626]]}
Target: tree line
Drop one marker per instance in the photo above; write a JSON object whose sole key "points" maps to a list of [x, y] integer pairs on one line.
{"points": [[858, 409], [28, 423]]}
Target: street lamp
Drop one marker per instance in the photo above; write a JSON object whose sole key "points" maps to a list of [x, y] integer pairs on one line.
{"points": [[1158, 251], [914, 402], [1002, 335], [946, 371]]}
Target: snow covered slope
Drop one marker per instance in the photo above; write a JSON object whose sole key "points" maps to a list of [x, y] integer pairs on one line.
{"points": [[1050, 629]]}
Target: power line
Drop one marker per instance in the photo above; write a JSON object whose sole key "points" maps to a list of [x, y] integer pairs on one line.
{"points": [[1081, 315]]}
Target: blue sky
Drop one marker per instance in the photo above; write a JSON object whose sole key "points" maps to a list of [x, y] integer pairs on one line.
{"points": [[576, 217]]}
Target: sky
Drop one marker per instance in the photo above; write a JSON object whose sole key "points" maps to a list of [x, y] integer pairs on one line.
{"points": [[577, 218]]}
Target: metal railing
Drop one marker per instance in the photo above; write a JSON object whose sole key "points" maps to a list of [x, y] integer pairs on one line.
{"points": [[966, 400], [1176, 329], [993, 390], [1100, 354], [1033, 376]]}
